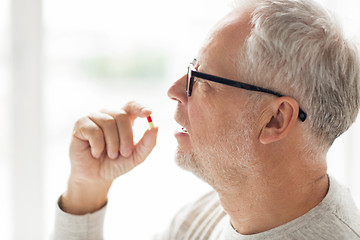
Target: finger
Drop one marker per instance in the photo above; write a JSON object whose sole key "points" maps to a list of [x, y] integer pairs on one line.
{"points": [[135, 109], [109, 127], [124, 131], [144, 147], [87, 130], [126, 135]]}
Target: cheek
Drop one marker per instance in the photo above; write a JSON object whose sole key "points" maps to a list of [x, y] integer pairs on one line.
{"points": [[203, 115], [209, 127], [210, 114], [215, 113]]}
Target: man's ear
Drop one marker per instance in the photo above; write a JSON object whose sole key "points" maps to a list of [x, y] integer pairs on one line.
{"points": [[280, 116]]}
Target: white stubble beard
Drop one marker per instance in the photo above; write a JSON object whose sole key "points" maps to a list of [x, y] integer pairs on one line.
{"points": [[223, 161]]}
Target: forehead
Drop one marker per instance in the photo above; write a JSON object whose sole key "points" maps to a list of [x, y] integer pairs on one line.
{"points": [[221, 48]]}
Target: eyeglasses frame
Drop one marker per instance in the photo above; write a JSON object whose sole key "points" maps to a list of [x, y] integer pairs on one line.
{"points": [[192, 72]]}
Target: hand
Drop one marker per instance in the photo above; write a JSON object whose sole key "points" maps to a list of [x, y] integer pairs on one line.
{"points": [[102, 149]]}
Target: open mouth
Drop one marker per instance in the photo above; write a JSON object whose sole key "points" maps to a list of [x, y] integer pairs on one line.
{"points": [[183, 137]]}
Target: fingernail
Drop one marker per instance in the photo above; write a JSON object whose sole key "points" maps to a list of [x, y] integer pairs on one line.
{"points": [[126, 152]]}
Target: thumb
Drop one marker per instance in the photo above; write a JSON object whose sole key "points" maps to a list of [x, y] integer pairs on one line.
{"points": [[144, 147]]}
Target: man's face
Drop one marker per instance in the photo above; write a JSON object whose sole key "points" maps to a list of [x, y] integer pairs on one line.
{"points": [[217, 143]]}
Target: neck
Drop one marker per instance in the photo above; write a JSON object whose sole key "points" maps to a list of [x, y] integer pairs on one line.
{"points": [[264, 201]]}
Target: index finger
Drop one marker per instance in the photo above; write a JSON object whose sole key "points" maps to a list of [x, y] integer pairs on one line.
{"points": [[134, 110]]}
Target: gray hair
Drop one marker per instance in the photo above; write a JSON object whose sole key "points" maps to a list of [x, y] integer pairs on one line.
{"points": [[297, 48]]}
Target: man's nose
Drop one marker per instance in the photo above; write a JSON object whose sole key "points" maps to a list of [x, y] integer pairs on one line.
{"points": [[177, 91]]}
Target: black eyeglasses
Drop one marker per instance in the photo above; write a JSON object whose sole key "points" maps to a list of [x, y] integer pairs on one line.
{"points": [[192, 72]]}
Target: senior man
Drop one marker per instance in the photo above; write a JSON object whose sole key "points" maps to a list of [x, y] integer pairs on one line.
{"points": [[273, 86]]}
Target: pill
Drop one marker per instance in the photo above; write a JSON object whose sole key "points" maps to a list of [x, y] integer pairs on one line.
{"points": [[151, 124]]}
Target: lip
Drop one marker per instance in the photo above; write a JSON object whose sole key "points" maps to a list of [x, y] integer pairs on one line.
{"points": [[181, 134], [181, 126], [183, 139]]}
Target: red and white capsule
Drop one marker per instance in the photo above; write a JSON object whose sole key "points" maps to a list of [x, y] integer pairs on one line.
{"points": [[151, 124]]}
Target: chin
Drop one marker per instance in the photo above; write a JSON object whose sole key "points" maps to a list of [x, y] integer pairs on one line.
{"points": [[188, 161], [219, 167]]}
